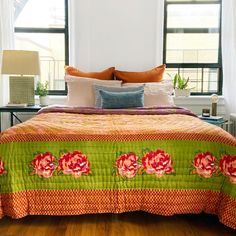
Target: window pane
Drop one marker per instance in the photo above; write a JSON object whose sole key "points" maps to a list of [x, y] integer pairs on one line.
{"points": [[210, 80], [192, 48], [201, 80], [193, 16], [192, 37], [51, 49], [39, 13]]}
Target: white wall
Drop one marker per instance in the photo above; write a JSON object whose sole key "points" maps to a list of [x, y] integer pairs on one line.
{"points": [[122, 33], [197, 103]]}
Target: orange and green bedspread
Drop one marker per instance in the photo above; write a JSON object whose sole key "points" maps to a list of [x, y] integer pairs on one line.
{"points": [[75, 161]]}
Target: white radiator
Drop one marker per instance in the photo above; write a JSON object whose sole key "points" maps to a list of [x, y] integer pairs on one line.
{"points": [[233, 125]]}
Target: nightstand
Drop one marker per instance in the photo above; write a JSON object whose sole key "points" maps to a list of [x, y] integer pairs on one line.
{"points": [[13, 110], [233, 120], [225, 124]]}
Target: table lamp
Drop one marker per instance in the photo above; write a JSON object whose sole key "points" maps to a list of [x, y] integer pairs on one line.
{"points": [[24, 65]]}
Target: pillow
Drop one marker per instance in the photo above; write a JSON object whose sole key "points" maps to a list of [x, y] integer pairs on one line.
{"points": [[156, 93], [158, 98], [113, 100], [154, 75], [103, 75], [165, 85], [80, 90], [97, 88]]}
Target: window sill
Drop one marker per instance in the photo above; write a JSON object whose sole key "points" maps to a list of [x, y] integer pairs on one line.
{"points": [[197, 100]]}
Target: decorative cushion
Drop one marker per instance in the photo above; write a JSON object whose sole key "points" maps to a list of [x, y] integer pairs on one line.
{"points": [[154, 75], [103, 75], [156, 93], [165, 85], [158, 98], [112, 100], [97, 88], [81, 92]]}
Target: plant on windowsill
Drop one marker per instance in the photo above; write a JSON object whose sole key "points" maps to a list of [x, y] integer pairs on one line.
{"points": [[181, 86], [42, 91]]}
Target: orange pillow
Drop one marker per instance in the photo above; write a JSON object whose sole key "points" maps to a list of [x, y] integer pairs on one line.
{"points": [[103, 75], [154, 75]]}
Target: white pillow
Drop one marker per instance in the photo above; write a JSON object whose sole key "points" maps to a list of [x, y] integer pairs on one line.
{"points": [[156, 93], [158, 98], [165, 85], [80, 90]]}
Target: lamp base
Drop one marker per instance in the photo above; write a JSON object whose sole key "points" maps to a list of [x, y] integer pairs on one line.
{"points": [[21, 90], [214, 109]]}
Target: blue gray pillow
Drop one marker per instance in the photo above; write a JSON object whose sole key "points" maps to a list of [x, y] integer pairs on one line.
{"points": [[98, 99], [115, 100]]}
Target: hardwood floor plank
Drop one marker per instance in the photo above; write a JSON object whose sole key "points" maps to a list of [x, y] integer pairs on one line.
{"points": [[127, 224]]}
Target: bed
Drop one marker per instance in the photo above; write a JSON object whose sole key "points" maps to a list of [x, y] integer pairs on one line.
{"points": [[162, 160]]}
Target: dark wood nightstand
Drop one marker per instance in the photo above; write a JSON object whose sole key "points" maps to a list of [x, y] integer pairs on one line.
{"points": [[12, 111]]}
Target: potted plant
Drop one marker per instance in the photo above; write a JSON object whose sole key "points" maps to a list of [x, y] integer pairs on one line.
{"points": [[181, 86], [42, 91]]}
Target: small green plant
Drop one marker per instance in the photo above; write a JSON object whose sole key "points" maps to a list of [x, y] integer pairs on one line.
{"points": [[42, 89], [180, 82]]}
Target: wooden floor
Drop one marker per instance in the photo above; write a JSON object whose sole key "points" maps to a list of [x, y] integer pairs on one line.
{"points": [[128, 224]]}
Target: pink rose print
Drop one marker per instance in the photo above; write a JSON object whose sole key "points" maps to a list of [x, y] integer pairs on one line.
{"points": [[157, 162], [74, 163], [2, 169], [43, 164], [127, 165], [228, 167], [204, 164]]}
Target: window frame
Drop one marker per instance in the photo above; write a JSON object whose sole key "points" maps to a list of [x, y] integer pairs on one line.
{"points": [[202, 66], [64, 31]]}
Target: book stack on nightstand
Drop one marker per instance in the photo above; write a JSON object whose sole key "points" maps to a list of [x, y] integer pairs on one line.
{"points": [[216, 120]]}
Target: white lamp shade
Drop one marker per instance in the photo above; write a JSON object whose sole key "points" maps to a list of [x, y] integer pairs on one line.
{"points": [[19, 62]]}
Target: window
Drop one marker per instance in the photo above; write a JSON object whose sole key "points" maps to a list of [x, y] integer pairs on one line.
{"points": [[43, 26], [192, 43]]}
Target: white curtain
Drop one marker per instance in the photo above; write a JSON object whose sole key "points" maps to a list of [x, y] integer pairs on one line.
{"points": [[229, 54], [6, 42]]}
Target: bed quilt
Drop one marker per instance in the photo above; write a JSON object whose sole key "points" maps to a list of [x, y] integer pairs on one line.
{"points": [[163, 160]]}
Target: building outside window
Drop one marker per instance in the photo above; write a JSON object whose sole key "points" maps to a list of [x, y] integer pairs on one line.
{"points": [[192, 43], [43, 26]]}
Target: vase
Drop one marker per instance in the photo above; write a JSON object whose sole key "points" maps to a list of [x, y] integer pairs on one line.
{"points": [[44, 100], [182, 92]]}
